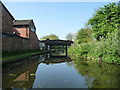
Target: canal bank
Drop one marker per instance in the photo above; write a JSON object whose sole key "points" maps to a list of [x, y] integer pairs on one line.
{"points": [[15, 57]]}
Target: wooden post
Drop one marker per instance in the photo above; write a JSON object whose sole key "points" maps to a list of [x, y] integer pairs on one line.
{"points": [[50, 47], [66, 51], [46, 47], [50, 51]]}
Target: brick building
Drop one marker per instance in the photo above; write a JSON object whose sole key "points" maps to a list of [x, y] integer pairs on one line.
{"points": [[17, 34], [7, 20], [26, 29]]}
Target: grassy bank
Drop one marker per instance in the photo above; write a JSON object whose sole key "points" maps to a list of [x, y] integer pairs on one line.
{"points": [[13, 57]]}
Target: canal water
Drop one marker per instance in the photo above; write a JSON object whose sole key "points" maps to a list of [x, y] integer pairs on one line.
{"points": [[43, 71]]}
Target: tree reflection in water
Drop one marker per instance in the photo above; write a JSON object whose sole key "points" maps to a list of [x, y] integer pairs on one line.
{"points": [[103, 76]]}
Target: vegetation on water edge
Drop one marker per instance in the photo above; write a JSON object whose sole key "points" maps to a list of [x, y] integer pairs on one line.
{"points": [[5, 54], [105, 75], [102, 41], [107, 49], [20, 55]]}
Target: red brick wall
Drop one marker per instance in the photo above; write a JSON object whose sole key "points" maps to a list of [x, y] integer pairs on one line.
{"points": [[22, 32], [33, 41], [0, 28], [14, 43], [7, 21], [27, 33], [0, 18], [11, 42]]}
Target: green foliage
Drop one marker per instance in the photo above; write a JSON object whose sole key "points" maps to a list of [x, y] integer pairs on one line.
{"points": [[105, 48], [6, 54], [84, 35], [51, 37], [69, 36], [104, 74], [15, 57], [111, 49], [105, 20], [105, 29]]}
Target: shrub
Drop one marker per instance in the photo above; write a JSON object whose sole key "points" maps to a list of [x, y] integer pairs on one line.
{"points": [[105, 48]]}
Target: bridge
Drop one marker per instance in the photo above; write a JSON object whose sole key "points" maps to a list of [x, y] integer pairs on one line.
{"points": [[53, 44]]}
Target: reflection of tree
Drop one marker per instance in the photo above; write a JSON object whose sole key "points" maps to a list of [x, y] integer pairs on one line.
{"points": [[104, 76], [89, 81], [70, 64]]}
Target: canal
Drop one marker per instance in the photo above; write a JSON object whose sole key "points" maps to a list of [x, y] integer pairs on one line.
{"points": [[43, 71]]}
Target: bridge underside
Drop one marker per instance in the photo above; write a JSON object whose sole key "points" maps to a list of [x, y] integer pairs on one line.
{"points": [[61, 44]]}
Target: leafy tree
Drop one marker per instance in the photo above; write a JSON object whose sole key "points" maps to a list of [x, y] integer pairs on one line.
{"points": [[51, 37], [84, 35], [105, 20], [69, 36]]}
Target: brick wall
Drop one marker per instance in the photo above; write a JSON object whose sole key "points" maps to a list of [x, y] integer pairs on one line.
{"points": [[7, 21], [27, 33], [33, 41], [0, 29], [14, 43], [31, 24], [23, 31], [0, 18]]}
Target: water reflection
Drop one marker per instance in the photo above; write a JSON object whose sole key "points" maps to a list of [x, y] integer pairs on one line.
{"points": [[46, 71], [49, 59], [21, 74], [103, 75]]}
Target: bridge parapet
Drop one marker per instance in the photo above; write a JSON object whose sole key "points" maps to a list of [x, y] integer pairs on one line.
{"points": [[50, 43]]}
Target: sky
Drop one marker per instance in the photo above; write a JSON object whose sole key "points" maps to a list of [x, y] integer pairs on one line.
{"points": [[59, 18]]}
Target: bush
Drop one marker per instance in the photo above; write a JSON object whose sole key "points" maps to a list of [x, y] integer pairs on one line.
{"points": [[111, 48], [105, 48]]}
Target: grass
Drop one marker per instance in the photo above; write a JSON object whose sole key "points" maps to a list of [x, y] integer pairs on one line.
{"points": [[21, 55]]}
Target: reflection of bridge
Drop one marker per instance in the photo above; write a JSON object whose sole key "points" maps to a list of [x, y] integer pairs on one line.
{"points": [[51, 44], [55, 60]]}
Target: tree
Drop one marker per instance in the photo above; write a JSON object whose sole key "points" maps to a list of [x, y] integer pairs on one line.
{"points": [[105, 20], [69, 36], [51, 37], [84, 35]]}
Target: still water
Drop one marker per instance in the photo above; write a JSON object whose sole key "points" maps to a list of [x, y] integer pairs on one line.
{"points": [[60, 72]]}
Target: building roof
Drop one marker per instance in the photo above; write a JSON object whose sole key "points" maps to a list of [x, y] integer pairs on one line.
{"points": [[22, 22], [6, 10]]}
